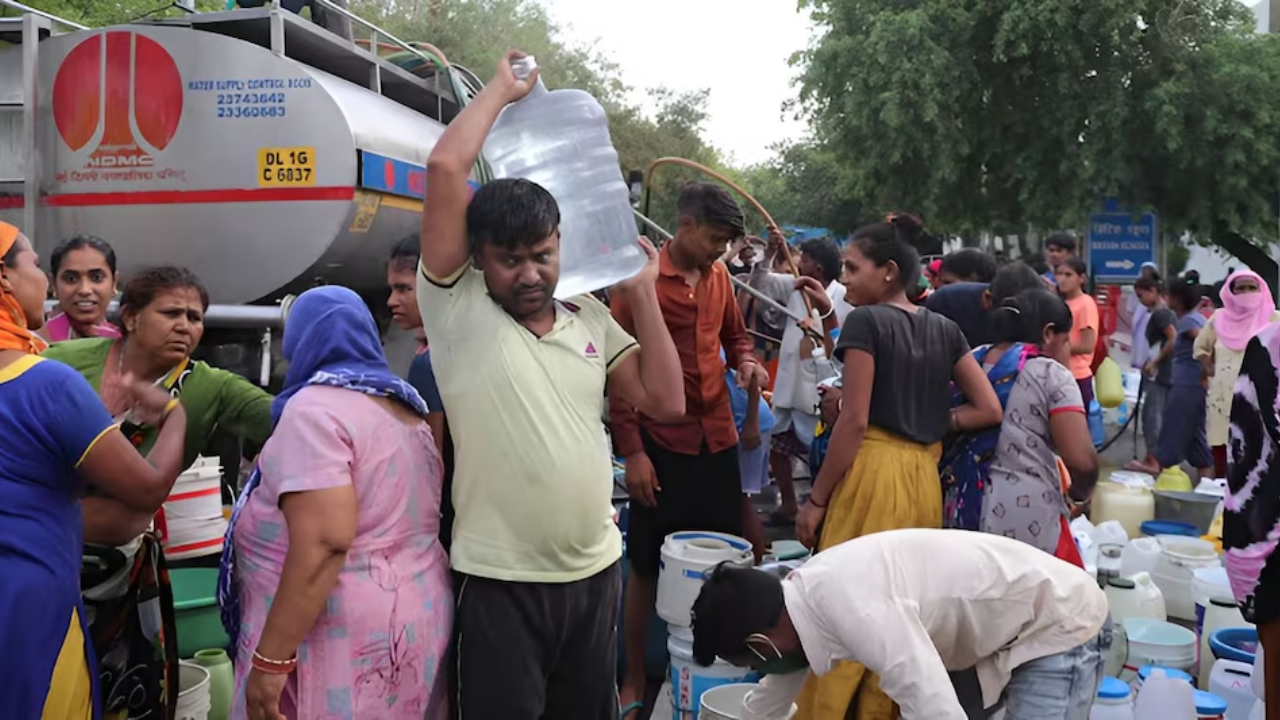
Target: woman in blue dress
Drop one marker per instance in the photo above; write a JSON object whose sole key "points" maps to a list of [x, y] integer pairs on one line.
{"points": [[56, 444]]}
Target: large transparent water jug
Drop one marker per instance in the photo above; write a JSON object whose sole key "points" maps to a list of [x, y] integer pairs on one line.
{"points": [[560, 140]]}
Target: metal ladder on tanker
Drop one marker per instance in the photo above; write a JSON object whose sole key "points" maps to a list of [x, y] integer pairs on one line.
{"points": [[19, 157]]}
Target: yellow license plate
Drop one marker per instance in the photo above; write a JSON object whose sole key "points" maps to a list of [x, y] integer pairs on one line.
{"points": [[286, 167]]}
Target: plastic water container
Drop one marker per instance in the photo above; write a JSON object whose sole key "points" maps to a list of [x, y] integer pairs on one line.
{"points": [[1146, 670], [1210, 706], [726, 702], [1180, 557], [1161, 644], [1233, 681], [1175, 479], [1135, 597], [683, 561], [1109, 383], [1165, 698], [560, 140], [1131, 504], [1140, 555], [1114, 701], [689, 680], [1259, 688], [194, 701]]}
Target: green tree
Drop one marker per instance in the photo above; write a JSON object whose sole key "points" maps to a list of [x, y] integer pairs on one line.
{"points": [[983, 114], [98, 13], [803, 185]]}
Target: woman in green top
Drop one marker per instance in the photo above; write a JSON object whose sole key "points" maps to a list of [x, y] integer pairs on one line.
{"points": [[124, 578]]}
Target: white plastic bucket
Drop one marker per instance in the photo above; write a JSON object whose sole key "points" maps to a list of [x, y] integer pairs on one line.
{"points": [[725, 702], [1179, 558], [683, 562], [192, 515], [1152, 642], [689, 680], [194, 701]]}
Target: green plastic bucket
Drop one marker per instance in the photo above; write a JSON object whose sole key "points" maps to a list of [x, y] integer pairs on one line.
{"points": [[195, 598]]}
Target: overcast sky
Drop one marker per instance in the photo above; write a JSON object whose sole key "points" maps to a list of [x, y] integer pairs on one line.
{"points": [[736, 48]]}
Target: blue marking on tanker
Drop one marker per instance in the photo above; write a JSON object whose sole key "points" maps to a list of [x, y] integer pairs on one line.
{"points": [[394, 177]]}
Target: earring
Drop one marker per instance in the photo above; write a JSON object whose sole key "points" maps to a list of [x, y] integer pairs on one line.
{"points": [[887, 278]]}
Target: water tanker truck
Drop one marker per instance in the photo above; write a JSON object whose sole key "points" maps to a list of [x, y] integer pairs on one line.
{"points": [[252, 146]]}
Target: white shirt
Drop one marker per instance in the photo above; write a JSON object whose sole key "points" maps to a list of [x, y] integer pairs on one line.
{"points": [[797, 381], [912, 605]]}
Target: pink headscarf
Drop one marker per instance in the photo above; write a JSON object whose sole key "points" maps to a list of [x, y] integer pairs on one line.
{"points": [[1242, 316]]}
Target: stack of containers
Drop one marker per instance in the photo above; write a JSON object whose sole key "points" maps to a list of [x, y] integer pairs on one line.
{"points": [[686, 557], [192, 524]]}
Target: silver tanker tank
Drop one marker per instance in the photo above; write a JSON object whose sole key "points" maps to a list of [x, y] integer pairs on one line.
{"points": [[250, 146]]}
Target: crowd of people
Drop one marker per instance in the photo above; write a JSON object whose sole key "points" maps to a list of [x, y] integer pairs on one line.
{"points": [[446, 545]]}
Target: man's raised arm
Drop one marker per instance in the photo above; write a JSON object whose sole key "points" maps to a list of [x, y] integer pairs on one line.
{"points": [[444, 212]]}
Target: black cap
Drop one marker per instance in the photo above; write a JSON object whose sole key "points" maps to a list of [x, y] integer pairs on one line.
{"points": [[734, 603], [1125, 583], [1223, 602]]}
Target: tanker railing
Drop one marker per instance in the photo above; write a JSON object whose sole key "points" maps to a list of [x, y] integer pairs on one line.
{"points": [[461, 92], [462, 82], [26, 10]]}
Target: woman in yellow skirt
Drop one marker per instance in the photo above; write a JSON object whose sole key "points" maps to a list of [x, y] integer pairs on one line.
{"points": [[881, 469]]}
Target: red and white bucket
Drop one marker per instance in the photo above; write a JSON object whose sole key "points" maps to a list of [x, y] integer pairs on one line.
{"points": [[191, 524]]}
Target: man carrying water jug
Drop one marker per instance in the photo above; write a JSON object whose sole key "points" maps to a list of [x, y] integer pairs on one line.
{"points": [[524, 377], [912, 605]]}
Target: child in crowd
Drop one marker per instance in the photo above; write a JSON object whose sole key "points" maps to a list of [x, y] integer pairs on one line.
{"points": [[1057, 249], [1071, 274], [1182, 430], [1160, 332], [755, 424]]}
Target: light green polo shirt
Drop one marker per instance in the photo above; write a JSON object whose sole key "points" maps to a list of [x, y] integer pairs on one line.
{"points": [[533, 482]]}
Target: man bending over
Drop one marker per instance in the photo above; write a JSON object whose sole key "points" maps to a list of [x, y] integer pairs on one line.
{"points": [[911, 605]]}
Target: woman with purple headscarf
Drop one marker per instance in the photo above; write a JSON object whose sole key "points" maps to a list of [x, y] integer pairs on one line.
{"points": [[334, 587], [1247, 307]]}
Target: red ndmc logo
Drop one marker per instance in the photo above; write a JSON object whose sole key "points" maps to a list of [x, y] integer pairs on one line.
{"points": [[122, 91]]}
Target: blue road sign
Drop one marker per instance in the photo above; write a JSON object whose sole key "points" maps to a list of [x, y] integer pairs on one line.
{"points": [[1119, 244]]}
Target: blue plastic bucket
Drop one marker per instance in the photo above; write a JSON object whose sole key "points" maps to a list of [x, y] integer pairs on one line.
{"points": [[1239, 644]]}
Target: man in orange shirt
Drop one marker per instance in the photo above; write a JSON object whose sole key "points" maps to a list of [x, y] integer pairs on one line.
{"points": [[683, 475]]}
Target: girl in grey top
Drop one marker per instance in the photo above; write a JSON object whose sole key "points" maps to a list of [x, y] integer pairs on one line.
{"points": [[1044, 420]]}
